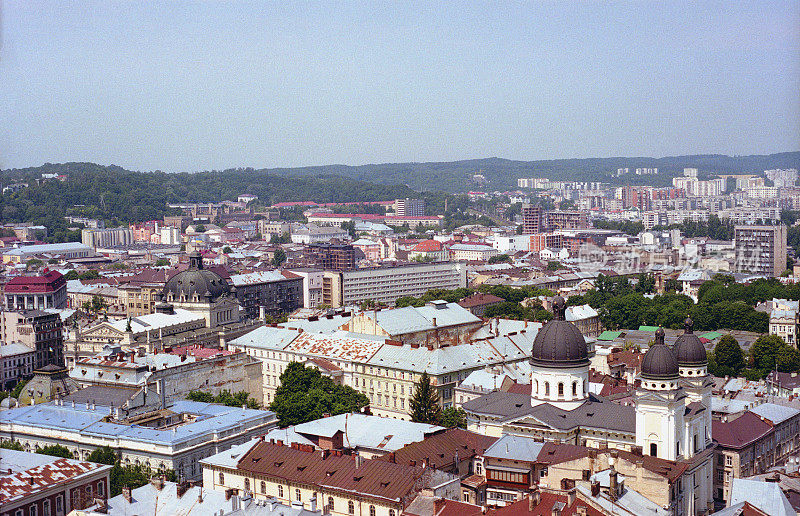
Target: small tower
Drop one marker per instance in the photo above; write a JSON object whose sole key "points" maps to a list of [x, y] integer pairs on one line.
{"points": [[695, 382], [660, 403], [559, 362]]}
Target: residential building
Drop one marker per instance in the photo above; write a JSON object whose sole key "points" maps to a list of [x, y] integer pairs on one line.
{"points": [[341, 484], [783, 320], [382, 368], [332, 257], [539, 241], [384, 284], [782, 178], [108, 237], [761, 249], [148, 330], [16, 364], [436, 324], [163, 498], [48, 290], [566, 220], [370, 248], [478, 302], [176, 373], [429, 250], [312, 234], [166, 437], [270, 293], [409, 207], [532, 221], [38, 330], [744, 448], [472, 252], [32, 484], [759, 497], [586, 319], [312, 285], [355, 433]]}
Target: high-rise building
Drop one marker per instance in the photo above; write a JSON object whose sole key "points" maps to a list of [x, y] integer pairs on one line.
{"points": [[761, 249], [531, 219], [409, 207], [327, 256], [107, 237]]}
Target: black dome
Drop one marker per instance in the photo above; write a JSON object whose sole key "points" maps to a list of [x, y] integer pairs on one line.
{"points": [[688, 348], [208, 285], [559, 343], [659, 363]]}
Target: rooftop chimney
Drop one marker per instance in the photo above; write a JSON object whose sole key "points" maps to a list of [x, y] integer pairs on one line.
{"points": [[126, 493]]}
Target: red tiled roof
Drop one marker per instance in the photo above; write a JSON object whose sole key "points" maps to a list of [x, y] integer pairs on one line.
{"points": [[441, 449], [740, 432], [47, 282], [480, 299], [428, 246], [545, 507], [26, 483], [373, 478], [520, 388]]}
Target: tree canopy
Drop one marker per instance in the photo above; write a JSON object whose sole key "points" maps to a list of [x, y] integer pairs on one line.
{"points": [[305, 395], [424, 402]]}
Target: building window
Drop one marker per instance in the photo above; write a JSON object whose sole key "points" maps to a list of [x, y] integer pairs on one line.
{"points": [[101, 489], [547, 388], [371, 510], [653, 450], [263, 487], [574, 388], [560, 390], [33, 511], [246, 484], [728, 460], [330, 504], [297, 494], [59, 503], [221, 478], [280, 491], [351, 508], [46, 508], [391, 511]]}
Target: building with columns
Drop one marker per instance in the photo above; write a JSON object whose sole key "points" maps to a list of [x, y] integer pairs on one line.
{"points": [[670, 418]]}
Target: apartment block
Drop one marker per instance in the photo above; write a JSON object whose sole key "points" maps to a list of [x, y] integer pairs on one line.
{"points": [[761, 249], [387, 283], [409, 207], [107, 237]]}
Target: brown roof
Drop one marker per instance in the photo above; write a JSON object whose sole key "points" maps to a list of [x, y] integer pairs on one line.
{"points": [[740, 432], [27, 483], [555, 453], [547, 502], [296, 463], [479, 299], [439, 450], [669, 469]]}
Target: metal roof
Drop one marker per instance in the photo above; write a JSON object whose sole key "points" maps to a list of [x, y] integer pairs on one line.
{"points": [[775, 413], [514, 447], [766, 496]]}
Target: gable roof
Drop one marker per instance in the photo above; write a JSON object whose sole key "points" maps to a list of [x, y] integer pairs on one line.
{"points": [[740, 432]]}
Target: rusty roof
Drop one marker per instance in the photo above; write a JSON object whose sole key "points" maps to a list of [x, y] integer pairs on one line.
{"points": [[372, 478], [23, 484], [440, 450]]}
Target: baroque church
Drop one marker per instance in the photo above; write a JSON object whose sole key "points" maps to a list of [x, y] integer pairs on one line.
{"points": [[669, 419]]}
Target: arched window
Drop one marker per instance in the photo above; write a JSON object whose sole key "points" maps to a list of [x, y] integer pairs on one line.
{"points": [[246, 484], [560, 390], [280, 491], [222, 478], [547, 388], [351, 507], [536, 386], [330, 504], [653, 450], [391, 512], [263, 487], [574, 388], [371, 510]]}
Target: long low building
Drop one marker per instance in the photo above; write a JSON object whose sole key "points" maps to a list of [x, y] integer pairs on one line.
{"points": [[67, 250], [382, 368], [174, 437]]}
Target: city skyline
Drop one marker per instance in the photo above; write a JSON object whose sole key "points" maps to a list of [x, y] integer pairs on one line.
{"points": [[271, 86]]}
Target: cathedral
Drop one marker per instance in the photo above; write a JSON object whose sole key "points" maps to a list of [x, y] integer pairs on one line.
{"points": [[670, 418]]}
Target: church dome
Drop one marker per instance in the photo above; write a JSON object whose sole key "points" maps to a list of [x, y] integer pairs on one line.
{"points": [[559, 343], [688, 348], [659, 363], [208, 285]]}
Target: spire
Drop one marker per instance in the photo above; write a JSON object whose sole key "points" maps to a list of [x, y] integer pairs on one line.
{"points": [[659, 336], [688, 325]]}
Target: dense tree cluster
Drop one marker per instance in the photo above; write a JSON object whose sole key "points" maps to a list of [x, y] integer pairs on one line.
{"points": [[510, 308], [305, 395], [131, 475], [621, 304]]}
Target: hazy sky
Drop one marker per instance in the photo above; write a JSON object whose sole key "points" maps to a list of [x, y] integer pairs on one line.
{"points": [[193, 86]]}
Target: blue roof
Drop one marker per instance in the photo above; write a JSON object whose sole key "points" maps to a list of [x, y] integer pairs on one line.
{"points": [[210, 418]]}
